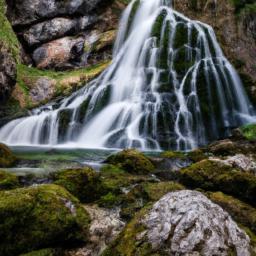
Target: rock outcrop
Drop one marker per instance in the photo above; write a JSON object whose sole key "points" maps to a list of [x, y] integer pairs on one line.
{"points": [[55, 34]]}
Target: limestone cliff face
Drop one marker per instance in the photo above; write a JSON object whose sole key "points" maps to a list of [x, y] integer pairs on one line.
{"points": [[236, 32]]}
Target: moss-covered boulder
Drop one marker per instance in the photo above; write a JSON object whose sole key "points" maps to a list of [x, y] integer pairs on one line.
{"points": [[132, 161], [214, 176], [84, 183], [8, 181], [40, 217], [181, 223], [7, 158]]}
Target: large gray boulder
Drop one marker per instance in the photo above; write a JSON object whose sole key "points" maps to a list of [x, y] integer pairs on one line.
{"points": [[187, 223]]}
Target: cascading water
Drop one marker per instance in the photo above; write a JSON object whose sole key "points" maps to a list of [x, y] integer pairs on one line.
{"points": [[169, 87]]}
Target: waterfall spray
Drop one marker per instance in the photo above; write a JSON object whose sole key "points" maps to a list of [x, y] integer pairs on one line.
{"points": [[169, 86]]}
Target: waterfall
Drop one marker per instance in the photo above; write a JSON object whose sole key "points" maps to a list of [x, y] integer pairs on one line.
{"points": [[169, 86]]}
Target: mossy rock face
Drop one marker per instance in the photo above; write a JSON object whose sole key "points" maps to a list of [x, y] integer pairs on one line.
{"points": [[249, 131], [132, 161], [214, 176], [84, 183], [41, 216], [7, 159], [8, 181]]}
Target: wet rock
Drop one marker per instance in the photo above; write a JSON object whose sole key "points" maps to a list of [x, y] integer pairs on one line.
{"points": [[187, 223], [26, 12], [7, 73], [38, 217], [223, 147], [64, 53], [105, 227], [44, 90], [58, 27]]}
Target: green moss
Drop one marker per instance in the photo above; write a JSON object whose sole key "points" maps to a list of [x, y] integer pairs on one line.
{"points": [[197, 155], [173, 155], [7, 35], [43, 252], [214, 176], [85, 183], [109, 200], [7, 158], [41, 216], [8, 181], [249, 131], [132, 161]]}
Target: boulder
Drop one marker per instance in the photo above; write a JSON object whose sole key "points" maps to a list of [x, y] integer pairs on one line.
{"points": [[85, 183], [40, 217], [43, 90], [182, 223], [56, 28], [131, 161], [187, 222], [64, 53], [7, 158]]}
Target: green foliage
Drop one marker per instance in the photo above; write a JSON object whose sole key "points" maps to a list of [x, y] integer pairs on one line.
{"points": [[40, 216], [132, 161], [214, 176], [8, 181], [7, 158], [197, 155], [85, 183], [249, 131], [109, 200]]}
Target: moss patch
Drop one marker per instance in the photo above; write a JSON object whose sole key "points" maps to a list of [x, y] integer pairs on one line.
{"points": [[8, 181], [132, 161], [7, 35], [214, 176], [249, 131], [7, 158], [40, 216], [85, 183]]}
